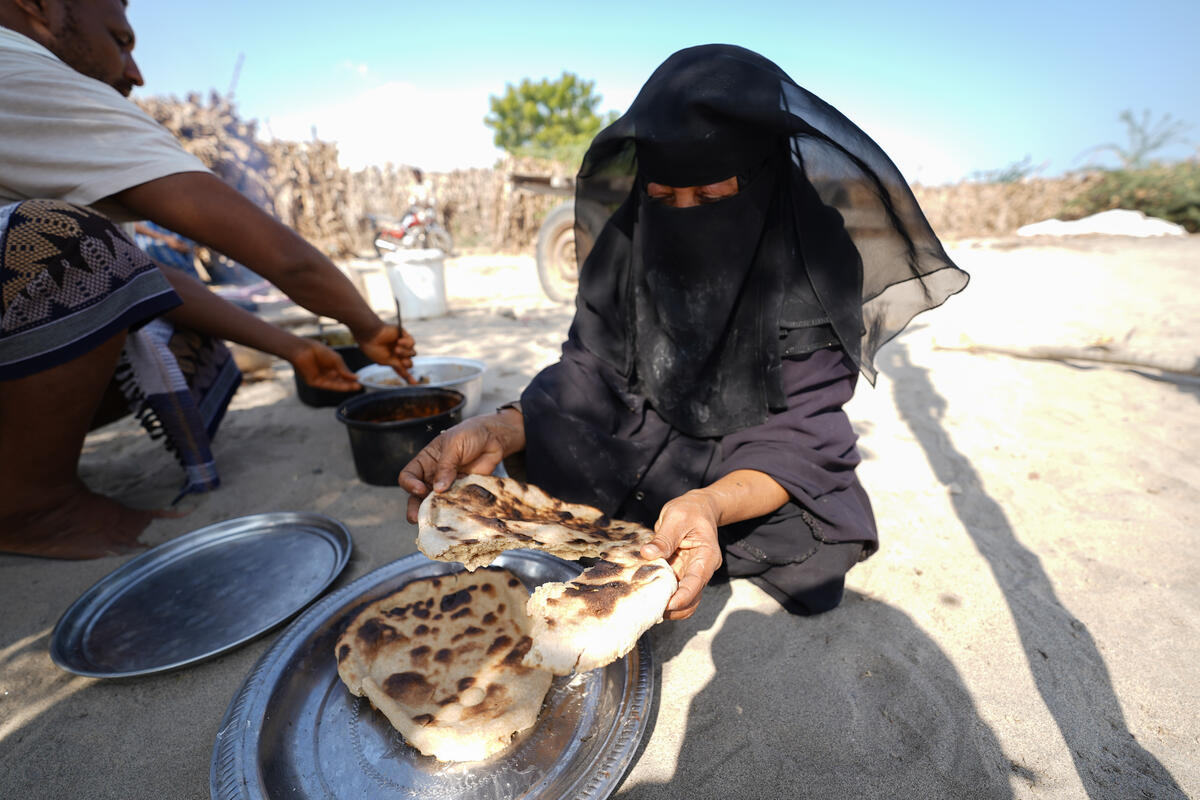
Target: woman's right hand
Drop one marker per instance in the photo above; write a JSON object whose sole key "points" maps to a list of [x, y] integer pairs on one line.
{"points": [[472, 447]]}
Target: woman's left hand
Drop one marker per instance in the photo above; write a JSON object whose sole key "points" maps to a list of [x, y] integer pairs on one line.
{"points": [[321, 366], [686, 536]]}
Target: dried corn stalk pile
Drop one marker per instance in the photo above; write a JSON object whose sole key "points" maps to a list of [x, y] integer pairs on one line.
{"points": [[302, 184], [215, 135], [521, 212], [970, 210]]}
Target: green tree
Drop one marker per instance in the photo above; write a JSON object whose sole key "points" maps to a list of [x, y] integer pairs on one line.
{"points": [[553, 119]]}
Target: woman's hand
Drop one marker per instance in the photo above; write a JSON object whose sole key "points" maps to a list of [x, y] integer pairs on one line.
{"points": [[686, 536], [472, 447], [321, 366], [686, 531], [391, 345]]}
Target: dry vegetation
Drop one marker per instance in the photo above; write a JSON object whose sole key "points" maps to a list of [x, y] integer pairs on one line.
{"points": [[973, 210], [302, 184]]}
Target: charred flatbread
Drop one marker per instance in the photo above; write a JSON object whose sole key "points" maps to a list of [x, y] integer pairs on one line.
{"points": [[443, 660], [578, 625]]}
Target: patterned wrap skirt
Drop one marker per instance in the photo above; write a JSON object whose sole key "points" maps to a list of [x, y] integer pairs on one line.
{"points": [[71, 280]]}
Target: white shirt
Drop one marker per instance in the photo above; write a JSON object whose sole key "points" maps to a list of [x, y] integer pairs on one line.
{"points": [[65, 136]]}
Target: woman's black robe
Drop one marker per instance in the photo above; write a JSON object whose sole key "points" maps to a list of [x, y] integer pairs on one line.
{"points": [[599, 444]]}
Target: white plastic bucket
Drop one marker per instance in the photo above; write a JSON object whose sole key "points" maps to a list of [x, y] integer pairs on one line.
{"points": [[418, 279]]}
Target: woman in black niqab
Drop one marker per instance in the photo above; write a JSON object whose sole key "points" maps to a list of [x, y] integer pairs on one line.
{"points": [[841, 240], [719, 331]]}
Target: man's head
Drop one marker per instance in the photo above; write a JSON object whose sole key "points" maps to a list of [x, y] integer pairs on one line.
{"points": [[91, 36]]}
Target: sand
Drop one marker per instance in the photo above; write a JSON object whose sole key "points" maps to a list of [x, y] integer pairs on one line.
{"points": [[1028, 629]]}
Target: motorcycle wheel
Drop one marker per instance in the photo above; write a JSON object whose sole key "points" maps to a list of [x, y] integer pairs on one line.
{"points": [[438, 237]]}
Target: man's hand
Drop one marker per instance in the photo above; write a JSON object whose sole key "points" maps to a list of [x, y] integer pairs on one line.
{"points": [[205, 209], [393, 346], [321, 366], [686, 536], [472, 447]]}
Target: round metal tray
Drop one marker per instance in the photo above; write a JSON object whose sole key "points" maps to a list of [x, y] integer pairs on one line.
{"points": [[294, 730], [200, 594]]}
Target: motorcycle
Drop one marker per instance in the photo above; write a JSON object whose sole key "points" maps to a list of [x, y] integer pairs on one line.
{"points": [[417, 229]]}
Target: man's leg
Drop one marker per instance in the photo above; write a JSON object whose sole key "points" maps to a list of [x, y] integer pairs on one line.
{"points": [[45, 509]]}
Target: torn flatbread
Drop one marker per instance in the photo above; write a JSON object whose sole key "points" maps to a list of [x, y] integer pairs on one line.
{"points": [[442, 659], [578, 625]]}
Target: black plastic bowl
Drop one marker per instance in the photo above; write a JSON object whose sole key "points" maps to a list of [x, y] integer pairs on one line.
{"points": [[388, 428], [323, 398]]}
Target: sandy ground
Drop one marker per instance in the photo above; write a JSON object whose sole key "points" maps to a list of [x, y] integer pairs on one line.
{"points": [[1028, 629]]}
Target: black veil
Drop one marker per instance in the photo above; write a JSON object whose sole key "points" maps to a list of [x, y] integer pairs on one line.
{"points": [[845, 256]]}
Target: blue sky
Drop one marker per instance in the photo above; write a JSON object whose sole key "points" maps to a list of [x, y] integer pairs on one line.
{"points": [[947, 88]]}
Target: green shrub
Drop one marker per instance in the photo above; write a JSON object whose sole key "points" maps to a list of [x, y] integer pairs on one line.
{"points": [[1166, 191]]}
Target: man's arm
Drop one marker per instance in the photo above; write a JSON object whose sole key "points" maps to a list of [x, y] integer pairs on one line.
{"points": [[206, 313], [201, 207]]}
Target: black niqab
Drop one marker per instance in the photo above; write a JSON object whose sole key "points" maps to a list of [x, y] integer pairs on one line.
{"points": [[699, 306], [824, 244]]}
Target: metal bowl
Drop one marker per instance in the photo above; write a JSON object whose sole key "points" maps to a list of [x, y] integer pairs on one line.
{"points": [[464, 374]]}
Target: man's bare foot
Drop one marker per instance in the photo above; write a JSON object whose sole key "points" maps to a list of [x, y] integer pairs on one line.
{"points": [[83, 525]]}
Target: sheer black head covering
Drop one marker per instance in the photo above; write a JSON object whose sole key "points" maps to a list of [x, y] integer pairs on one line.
{"points": [[824, 244]]}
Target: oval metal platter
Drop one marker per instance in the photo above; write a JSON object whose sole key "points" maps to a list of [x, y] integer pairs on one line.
{"points": [[200, 594], [294, 730]]}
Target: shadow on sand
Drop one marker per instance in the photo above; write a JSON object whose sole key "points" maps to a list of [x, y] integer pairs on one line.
{"points": [[1073, 681], [1188, 384], [826, 707]]}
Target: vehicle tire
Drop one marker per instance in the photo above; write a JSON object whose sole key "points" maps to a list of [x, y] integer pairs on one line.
{"points": [[556, 260]]}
